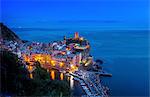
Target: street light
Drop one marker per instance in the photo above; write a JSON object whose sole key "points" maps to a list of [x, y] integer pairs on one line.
{"points": [[61, 64], [53, 62]]}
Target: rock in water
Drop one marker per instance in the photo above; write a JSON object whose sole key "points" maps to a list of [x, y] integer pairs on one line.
{"points": [[98, 61]]}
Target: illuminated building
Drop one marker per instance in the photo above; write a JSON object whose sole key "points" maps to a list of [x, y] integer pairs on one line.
{"points": [[63, 55], [76, 36]]}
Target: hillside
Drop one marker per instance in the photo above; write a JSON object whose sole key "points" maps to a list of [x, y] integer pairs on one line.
{"points": [[8, 34]]}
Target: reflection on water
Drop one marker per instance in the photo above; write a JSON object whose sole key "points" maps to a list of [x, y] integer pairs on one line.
{"points": [[71, 82], [61, 76], [68, 78], [52, 74], [31, 76]]}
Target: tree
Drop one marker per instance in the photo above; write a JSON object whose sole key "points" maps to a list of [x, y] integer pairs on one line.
{"points": [[15, 81], [12, 73]]}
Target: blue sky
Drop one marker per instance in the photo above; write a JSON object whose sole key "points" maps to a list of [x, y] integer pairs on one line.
{"points": [[117, 14]]}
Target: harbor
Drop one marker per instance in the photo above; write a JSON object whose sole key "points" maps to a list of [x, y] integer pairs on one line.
{"points": [[90, 85]]}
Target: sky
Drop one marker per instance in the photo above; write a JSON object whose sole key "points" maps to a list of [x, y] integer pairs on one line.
{"points": [[117, 14]]}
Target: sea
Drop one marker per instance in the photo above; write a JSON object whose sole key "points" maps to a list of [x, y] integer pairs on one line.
{"points": [[124, 52]]}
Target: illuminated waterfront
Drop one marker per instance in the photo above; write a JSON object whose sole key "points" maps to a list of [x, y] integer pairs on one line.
{"points": [[70, 56], [64, 55], [118, 54], [113, 60]]}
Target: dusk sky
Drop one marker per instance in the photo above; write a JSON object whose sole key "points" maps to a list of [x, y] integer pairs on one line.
{"points": [[122, 14], [116, 31]]}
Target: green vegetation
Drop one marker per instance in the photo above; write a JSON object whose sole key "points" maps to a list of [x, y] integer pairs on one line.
{"points": [[15, 81], [12, 73]]}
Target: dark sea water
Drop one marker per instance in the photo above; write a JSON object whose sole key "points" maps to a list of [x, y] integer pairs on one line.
{"points": [[124, 52]]}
